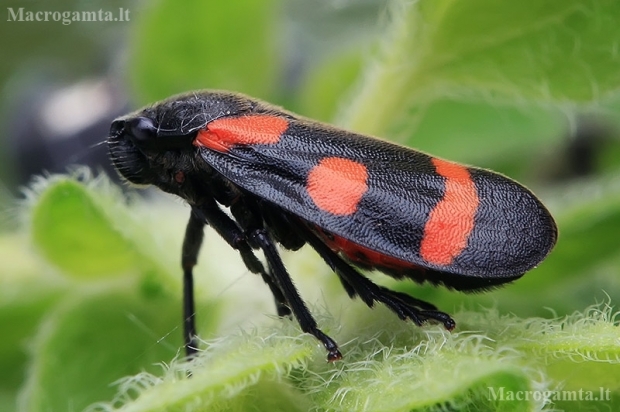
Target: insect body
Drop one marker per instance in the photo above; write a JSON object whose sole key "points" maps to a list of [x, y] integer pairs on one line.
{"points": [[358, 201]]}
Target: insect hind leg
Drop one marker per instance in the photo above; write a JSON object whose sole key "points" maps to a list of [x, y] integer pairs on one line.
{"points": [[405, 306]]}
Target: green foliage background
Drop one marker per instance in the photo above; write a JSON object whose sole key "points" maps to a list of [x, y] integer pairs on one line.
{"points": [[90, 286]]}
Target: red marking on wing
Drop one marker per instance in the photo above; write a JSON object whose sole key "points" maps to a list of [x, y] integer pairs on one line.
{"points": [[451, 221], [369, 259], [221, 134], [363, 255], [336, 185]]}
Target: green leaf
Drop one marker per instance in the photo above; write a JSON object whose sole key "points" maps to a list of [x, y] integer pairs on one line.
{"points": [[94, 338], [554, 52], [393, 366], [579, 352], [71, 229], [425, 376], [210, 44], [485, 135], [223, 377], [26, 293], [588, 222], [102, 331], [324, 86], [83, 226]]}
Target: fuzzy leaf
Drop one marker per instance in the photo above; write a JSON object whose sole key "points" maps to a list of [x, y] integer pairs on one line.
{"points": [[393, 366], [223, 378], [64, 223], [94, 338], [527, 51], [27, 292], [87, 231]]}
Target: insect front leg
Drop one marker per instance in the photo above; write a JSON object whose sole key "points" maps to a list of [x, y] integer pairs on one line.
{"points": [[230, 232], [194, 234], [233, 235]]}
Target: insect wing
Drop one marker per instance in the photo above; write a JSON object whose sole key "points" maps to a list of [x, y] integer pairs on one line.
{"points": [[387, 198]]}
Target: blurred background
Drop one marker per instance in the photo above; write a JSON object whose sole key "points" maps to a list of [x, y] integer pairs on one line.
{"points": [[62, 84]]}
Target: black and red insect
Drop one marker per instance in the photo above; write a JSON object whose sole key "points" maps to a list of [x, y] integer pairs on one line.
{"points": [[357, 200]]}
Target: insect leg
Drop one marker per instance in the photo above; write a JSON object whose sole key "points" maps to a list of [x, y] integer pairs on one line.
{"points": [[232, 234], [194, 234], [405, 306], [297, 305]]}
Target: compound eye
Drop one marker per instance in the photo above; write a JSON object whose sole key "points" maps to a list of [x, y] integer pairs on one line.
{"points": [[141, 129]]}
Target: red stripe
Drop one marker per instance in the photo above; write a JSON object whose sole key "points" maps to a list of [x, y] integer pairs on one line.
{"points": [[221, 134], [452, 219]]}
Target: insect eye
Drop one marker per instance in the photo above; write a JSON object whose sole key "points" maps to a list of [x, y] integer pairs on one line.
{"points": [[141, 129]]}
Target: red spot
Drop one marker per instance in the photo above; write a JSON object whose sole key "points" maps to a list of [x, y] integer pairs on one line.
{"points": [[452, 219], [336, 185], [221, 134]]}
